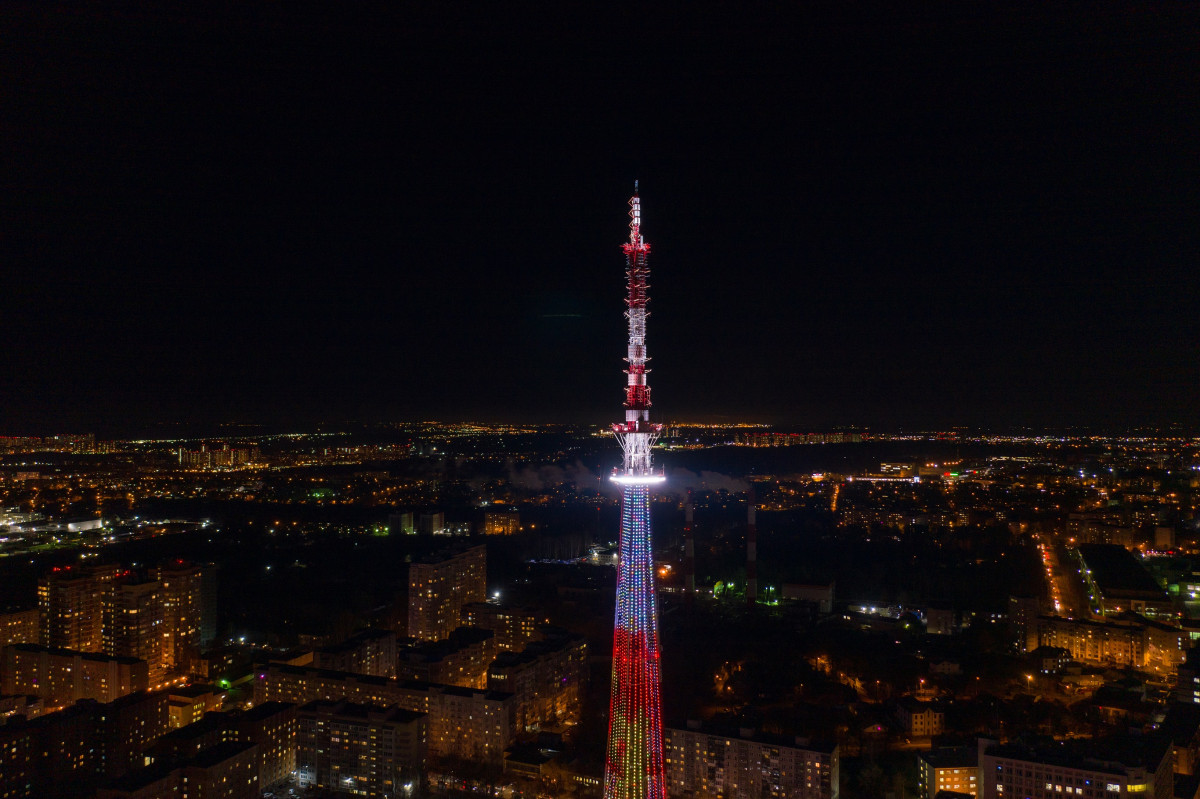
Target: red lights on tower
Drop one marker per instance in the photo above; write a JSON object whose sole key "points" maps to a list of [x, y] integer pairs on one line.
{"points": [[634, 768]]}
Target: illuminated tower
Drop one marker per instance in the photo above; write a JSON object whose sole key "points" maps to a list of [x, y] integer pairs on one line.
{"points": [[634, 768]]}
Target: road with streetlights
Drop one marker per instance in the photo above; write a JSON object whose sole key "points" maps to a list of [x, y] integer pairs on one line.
{"points": [[1067, 594]]}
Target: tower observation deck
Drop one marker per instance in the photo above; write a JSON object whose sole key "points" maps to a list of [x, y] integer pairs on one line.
{"points": [[634, 766]]}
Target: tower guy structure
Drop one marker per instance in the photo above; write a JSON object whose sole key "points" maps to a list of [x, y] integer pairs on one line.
{"points": [[634, 767]]}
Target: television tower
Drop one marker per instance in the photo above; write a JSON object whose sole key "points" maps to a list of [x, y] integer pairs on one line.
{"points": [[634, 767]]}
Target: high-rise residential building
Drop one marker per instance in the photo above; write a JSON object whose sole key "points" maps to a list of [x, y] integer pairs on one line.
{"points": [[1139, 643], [949, 769], [1100, 768], [401, 523], [1023, 613], [18, 759], [501, 522], [438, 588], [274, 728], [366, 750], [703, 761], [111, 610], [1187, 684], [366, 652], [71, 604], [465, 723], [187, 603], [136, 626], [548, 678], [19, 627], [51, 755], [128, 727], [208, 605], [514, 627], [228, 771], [67, 753], [62, 676], [461, 659], [270, 726], [192, 739], [432, 523], [225, 771]]}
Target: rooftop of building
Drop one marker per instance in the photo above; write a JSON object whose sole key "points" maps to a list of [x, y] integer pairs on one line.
{"points": [[97, 657], [192, 691], [141, 778], [432, 651], [757, 736], [215, 755], [358, 639], [20, 700], [914, 705], [952, 757], [354, 710], [135, 698], [88, 708], [1114, 755], [529, 755], [449, 553], [1111, 622], [84, 709], [1115, 570], [265, 710], [502, 609], [1153, 624], [212, 722], [384, 682], [535, 649], [1182, 722]]}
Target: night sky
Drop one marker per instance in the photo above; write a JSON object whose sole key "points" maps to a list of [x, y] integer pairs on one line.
{"points": [[862, 213]]}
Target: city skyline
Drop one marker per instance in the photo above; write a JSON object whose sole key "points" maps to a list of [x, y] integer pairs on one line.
{"points": [[881, 217], [437, 612]]}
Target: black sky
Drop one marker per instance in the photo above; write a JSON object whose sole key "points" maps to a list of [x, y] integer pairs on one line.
{"points": [[875, 213]]}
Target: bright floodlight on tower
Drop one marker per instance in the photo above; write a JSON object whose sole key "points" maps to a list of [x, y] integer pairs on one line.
{"points": [[634, 766]]}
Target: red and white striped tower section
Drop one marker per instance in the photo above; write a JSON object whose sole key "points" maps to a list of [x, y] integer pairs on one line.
{"points": [[689, 553], [751, 550], [634, 766]]}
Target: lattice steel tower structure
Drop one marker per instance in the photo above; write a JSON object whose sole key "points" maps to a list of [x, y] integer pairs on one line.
{"points": [[634, 768]]}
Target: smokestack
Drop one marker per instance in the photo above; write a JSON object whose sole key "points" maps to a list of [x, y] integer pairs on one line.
{"points": [[751, 551], [689, 553]]}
